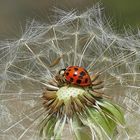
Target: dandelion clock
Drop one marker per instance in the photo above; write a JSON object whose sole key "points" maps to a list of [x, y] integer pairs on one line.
{"points": [[73, 79]]}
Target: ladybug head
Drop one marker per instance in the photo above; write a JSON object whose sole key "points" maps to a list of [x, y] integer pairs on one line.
{"points": [[61, 72]]}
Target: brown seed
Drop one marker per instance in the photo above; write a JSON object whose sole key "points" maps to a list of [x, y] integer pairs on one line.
{"points": [[49, 95], [99, 87], [51, 88], [53, 82], [75, 106], [81, 99], [100, 94], [48, 103], [54, 103], [89, 97], [56, 61], [68, 109], [78, 102], [59, 104], [89, 102], [97, 82]]}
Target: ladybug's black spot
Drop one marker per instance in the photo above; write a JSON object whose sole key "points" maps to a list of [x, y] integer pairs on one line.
{"points": [[82, 73], [75, 69], [67, 73], [86, 80], [74, 74], [71, 79], [78, 81]]}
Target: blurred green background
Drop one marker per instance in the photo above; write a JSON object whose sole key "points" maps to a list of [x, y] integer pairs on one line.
{"points": [[14, 13]]}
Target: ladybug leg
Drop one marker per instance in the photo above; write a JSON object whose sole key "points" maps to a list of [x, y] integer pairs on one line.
{"points": [[60, 80]]}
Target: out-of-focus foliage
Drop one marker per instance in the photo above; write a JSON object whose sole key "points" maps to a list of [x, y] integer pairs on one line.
{"points": [[13, 13]]}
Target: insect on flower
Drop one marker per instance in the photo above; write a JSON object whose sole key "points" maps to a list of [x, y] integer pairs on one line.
{"points": [[73, 77], [78, 93], [78, 76]]}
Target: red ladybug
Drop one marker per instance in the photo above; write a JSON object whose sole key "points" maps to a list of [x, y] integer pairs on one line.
{"points": [[77, 76]]}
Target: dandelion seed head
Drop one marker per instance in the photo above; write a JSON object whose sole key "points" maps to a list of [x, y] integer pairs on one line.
{"points": [[65, 92], [85, 40]]}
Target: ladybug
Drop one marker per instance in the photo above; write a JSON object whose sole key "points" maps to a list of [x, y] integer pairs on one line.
{"points": [[76, 75]]}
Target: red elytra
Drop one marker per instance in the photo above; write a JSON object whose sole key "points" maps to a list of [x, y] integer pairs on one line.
{"points": [[77, 75]]}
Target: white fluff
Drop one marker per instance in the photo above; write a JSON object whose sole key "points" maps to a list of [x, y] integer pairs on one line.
{"points": [[86, 40]]}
